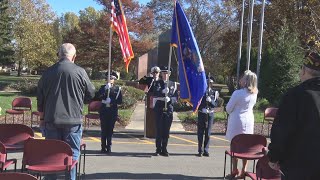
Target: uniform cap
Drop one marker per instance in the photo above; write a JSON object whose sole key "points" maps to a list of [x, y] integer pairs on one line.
{"points": [[155, 69], [113, 75], [165, 69], [211, 79]]}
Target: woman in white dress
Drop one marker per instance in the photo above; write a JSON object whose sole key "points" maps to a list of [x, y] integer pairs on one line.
{"points": [[240, 110]]}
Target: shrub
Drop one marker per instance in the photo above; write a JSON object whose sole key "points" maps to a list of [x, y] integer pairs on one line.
{"points": [[220, 102], [220, 79], [124, 116], [181, 106], [130, 96], [26, 86], [262, 104]]}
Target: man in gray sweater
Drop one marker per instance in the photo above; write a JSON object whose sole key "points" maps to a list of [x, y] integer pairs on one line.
{"points": [[62, 91]]}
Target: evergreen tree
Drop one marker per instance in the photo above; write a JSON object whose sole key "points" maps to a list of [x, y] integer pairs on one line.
{"points": [[6, 48], [280, 65]]}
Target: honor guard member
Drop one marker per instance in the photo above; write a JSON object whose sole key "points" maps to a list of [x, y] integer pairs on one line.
{"points": [[109, 110], [205, 118], [164, 115], [155, 71]]}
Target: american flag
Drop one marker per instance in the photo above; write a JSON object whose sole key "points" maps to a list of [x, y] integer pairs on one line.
{"points": [[119, 25]]}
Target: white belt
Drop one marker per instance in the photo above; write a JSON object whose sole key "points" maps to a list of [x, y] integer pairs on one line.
{"points": [[103, 101], [210, 111], [159, 99]]}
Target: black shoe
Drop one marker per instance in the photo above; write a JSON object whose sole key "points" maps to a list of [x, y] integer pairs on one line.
{"points": [[199, 154], [103, 150], [164, 153], [108, 150], [156, 153], [206, 154]]}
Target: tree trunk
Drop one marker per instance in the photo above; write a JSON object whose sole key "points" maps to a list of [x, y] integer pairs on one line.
{"points": [[19, 68]]}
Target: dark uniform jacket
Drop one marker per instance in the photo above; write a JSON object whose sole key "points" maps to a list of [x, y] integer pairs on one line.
{"points": [[115, 96], [295, 134], [62, 90], [204, 104], [146, 80], [158, 86]]}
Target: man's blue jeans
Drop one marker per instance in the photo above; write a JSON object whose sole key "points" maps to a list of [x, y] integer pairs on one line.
{"points": [[71, 134]]}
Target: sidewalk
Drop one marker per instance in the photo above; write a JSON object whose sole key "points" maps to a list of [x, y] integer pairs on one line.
{"points": [[137, 120]]}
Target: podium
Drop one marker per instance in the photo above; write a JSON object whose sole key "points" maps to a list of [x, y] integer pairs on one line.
{"points": [[150, 121]]}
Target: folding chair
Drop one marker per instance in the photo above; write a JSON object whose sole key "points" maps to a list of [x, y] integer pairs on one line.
{"points": [[16, 176], [93, 112], [35, 114], [13, 136], [19, 106], [269, 115], [247, 147], [263, 171], [83, 147], [4, 162], [48, 157]]}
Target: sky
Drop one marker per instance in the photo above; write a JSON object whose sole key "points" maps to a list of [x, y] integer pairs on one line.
{"points": [[63, 6]]}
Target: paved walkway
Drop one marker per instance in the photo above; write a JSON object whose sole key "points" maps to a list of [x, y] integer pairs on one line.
{"points": [[137, 120]]}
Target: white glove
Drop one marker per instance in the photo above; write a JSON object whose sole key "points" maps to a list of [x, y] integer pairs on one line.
{"points": [[108, 101], [209, 99], [204, 110], [165, 90], [108, 85], [167, 99]]}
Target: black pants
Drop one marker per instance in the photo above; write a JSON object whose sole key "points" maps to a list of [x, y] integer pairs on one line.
{"points": [[108, 119], [204, 125], [163, 125]]}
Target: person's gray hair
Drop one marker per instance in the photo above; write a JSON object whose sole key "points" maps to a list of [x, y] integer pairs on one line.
{"points": [[251, 81], [67, 50], [312, 72]]}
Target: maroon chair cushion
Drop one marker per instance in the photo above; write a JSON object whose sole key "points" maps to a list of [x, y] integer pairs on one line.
{"points": [[48, 156], [16, 176], [92, 116], [13, 136], [37, 113], [248, 144], [12, 111]]}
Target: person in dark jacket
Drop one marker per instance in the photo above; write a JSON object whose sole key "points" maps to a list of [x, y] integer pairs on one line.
{"points": [[164, 93], [148, 80], [295, 133], [62, 91], [205, 118], [109, 110]]}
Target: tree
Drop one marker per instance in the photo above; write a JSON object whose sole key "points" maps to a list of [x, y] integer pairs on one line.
{"points": [[33, 33], [140, 28], [6, 39], [280, 65], [90, 36]]}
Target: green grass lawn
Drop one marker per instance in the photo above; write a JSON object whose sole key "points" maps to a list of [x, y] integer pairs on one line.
{"points": [[218, 116]]}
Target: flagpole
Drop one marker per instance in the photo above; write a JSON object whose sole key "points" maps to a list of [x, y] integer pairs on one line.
{"points": [[167, 78], [109, 63], [250, 34], [260, 40], [240, 43]]}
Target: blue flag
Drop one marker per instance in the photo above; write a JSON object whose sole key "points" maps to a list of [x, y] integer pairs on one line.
{"points": [[192, 76]]}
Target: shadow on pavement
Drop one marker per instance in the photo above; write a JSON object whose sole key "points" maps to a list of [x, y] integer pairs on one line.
{"points": [[125, 175]]}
